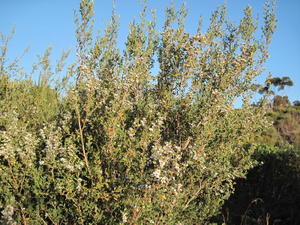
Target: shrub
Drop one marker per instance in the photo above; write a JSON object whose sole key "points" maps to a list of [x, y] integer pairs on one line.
{"points": [[124, 145], [270, 194]]}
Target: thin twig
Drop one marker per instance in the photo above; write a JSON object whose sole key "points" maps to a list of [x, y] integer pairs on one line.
{"points": [[82, 143], [194, 196], [51, 219]]}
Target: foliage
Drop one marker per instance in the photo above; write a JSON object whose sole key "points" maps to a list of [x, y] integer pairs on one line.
{"points": [[281, 83], [286, 123], [270, 194], [296, 103], [124, 145]]}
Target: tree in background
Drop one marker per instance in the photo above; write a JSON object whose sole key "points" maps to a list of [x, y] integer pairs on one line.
{"points": [[124, 145], [278, 82], [282, 114]]}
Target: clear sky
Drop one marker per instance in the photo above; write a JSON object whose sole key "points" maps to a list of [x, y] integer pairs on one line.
{"points": [[43, 23]]}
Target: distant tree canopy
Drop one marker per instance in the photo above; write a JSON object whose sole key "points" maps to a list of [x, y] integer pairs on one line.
{"points": [[296, 103], [278, 82]]}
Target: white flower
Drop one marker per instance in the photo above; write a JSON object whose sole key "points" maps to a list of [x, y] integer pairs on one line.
{"points": [[124, 217], [156, 173], [164, 180], [63, 160], [8, 211], [70, 167]]}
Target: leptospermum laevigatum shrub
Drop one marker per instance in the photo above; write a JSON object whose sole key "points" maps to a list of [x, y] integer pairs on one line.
{"points": [[123, 144]]}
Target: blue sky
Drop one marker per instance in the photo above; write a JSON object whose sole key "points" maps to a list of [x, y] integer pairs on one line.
{"points": [[43, 23]]}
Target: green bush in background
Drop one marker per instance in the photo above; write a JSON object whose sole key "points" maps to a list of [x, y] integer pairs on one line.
{"points": [[270, 194]]}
